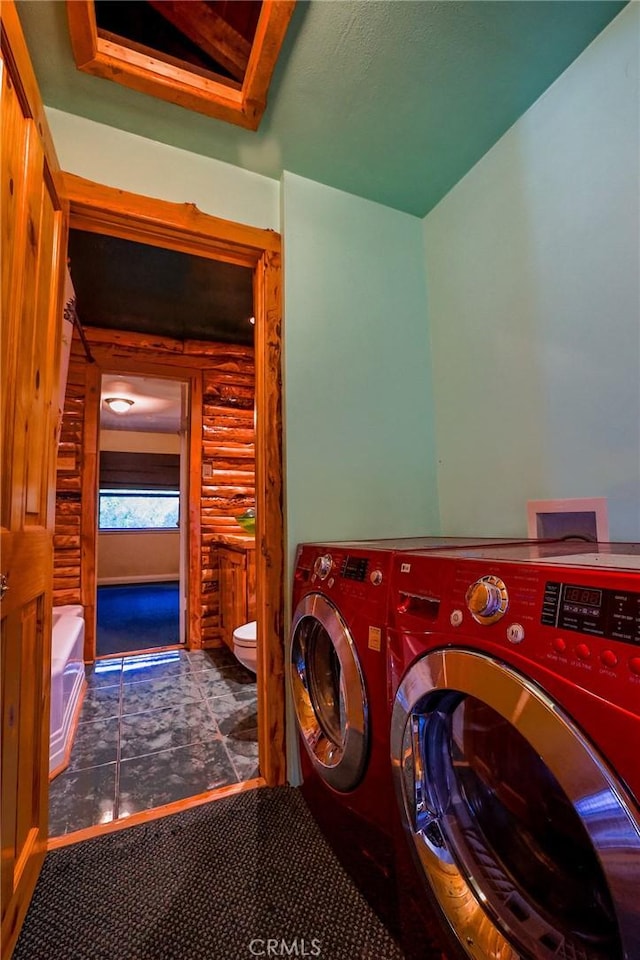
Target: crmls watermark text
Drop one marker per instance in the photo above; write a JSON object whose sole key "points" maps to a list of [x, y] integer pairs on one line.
{"points": [[298, 947]]}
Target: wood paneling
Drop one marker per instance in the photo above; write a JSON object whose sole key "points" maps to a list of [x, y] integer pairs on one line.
{"points": [[33, 236]]}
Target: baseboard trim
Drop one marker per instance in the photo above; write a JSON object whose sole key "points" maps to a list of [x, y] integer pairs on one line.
{"points": [[145, 816], [145, 578]]}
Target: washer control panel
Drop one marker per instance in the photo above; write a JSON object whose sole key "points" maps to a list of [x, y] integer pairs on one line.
{"points": [[614, 614], [580, 623]]}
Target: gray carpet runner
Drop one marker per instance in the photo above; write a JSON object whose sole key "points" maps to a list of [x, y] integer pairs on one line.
{"points": [[242, 877]]}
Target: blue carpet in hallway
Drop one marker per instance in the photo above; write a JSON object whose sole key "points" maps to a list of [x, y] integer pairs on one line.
{"points": [[137, 617]]}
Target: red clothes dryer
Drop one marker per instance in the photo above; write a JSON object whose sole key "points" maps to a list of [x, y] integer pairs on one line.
{"points": [[339, 687], [515, 747]]}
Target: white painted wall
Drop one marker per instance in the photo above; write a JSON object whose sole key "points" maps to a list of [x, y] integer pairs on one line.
{"points": [[533, 305], [138, 556], [358, 405], [358, 410], [128, 162], [137, 441]]}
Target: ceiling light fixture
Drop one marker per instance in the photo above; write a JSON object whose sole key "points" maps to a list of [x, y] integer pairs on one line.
{"points": [[252, 320], [119, 404]]}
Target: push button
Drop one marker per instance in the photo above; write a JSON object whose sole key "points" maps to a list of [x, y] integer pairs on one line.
{"points": [[515, 633], [609, 658], [583, 651], [634, 665]]}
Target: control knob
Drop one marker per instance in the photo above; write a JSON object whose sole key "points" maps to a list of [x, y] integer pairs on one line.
{"points": [[376, 577], [322, 566], [487, 599]]}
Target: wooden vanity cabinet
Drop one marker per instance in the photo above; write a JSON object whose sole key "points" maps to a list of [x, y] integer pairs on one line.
{"points": [[237, 587]]}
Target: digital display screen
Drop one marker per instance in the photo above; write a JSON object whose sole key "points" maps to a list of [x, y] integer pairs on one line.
{"points": [[583, 595], [355, 568], [601, 613]]}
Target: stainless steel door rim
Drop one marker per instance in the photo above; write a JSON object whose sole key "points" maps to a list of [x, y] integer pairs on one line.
{"points": [[486, 910], [329, 692]]}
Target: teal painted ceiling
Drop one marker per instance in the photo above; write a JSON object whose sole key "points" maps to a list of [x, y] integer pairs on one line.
{"points": [[391, 100]]}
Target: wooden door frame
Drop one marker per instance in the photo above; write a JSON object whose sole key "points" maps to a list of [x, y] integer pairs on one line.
{"points": [[100, 209]]}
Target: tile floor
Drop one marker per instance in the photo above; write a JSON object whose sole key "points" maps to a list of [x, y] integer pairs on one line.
{"points": [[154, 729]]}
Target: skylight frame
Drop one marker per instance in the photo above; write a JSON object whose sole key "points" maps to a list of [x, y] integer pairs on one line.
{"points": [[241, 104]]}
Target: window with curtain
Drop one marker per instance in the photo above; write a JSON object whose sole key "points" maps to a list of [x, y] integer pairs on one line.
{"points": [[139, 491]]}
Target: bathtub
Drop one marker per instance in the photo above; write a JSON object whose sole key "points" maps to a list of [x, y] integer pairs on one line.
{"points": [[67, 682]]}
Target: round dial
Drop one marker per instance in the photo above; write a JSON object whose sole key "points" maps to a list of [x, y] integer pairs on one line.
{"points": [[376, 577], [322, 566], [487, 599]]}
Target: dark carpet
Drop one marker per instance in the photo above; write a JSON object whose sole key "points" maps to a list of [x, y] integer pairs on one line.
{"points": [[213, 883], [137, 617]]}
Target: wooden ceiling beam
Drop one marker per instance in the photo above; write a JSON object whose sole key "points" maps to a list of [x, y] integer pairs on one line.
{"points": [[209, 31]]}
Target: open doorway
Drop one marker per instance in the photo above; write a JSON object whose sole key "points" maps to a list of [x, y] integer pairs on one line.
{"points": [[142, 514], [159, 727], [101, 210]]}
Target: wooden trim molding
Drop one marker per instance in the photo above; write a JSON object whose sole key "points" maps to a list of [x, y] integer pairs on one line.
{"points": [[109, 57], [148, 816], [162, 223], [269, 513], [194, 538], [101, 209], [89, 522]]}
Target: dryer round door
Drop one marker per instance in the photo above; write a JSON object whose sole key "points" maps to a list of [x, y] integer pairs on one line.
{"points": [[329, 692], [527, 841]]}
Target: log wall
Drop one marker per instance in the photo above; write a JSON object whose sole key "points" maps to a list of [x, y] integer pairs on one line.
{"points": [[228, 468], [67, 579], [224, 391]]}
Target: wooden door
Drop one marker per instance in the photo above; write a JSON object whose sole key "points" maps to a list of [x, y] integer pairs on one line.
{"points": [[32, 238]]}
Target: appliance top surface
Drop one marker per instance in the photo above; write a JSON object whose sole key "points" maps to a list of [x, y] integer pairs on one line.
{"points": [[619, 556], [411, 543]]}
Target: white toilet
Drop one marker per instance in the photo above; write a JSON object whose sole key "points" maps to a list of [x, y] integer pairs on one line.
{"points": [[244, 645]]}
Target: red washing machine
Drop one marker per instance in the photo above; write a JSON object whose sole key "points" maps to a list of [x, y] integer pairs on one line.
{"points": [[338, 670], [515, 747]]}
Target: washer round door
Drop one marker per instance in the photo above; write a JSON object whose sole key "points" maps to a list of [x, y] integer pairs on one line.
{"points": [[528, 843], [329, 693]]}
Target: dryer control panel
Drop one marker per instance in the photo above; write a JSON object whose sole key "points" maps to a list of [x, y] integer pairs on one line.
{"points": [[357, 575]]}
